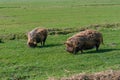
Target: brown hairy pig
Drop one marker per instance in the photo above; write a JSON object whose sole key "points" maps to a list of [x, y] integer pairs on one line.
{"points": [[37, 35], [84, 40]]}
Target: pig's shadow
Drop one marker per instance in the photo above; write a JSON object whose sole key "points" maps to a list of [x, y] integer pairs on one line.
{"points": [[1, 42], [100, 51], [49, 45]]}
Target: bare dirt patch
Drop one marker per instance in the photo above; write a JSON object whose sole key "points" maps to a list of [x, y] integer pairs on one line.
{"points": [[106, 75]]}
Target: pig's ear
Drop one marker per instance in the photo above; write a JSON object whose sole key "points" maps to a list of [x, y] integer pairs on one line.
{"points": [[35, 43], [66, 42]]}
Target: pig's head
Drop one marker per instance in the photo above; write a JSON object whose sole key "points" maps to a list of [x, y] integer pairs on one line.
{"points": [[71, 47], [32, 44], [31, 41]]}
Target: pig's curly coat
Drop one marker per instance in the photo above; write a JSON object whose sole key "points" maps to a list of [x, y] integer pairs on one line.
{"points": [[37, 35], [84, 40]]}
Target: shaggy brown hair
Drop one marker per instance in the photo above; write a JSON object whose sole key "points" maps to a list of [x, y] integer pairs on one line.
{"points": [[37, 35], [84, 40]]}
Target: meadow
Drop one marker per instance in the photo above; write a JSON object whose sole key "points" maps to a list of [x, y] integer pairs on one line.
{"points": [[17, 17]]}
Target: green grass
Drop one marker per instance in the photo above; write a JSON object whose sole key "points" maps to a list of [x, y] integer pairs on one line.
{"points": [[18, 61], [55, 13]]}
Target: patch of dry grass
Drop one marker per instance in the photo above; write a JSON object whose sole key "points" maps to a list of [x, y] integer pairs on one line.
{"points": [[105, 75]]}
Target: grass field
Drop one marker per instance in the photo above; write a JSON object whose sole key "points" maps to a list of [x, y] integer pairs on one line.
{"points": [[25, 16], [19, 62]]}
